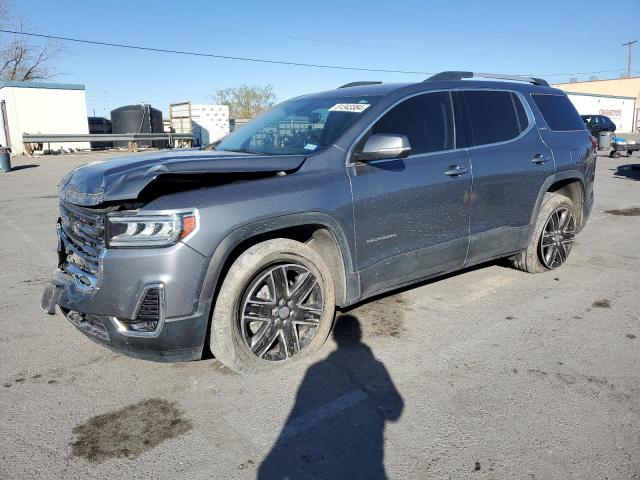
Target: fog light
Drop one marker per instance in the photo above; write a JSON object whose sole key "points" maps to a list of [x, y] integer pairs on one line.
{"points": [[149, 316]]}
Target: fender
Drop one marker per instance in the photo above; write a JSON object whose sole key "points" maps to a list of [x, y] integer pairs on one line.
{"points": [[556, 177], [222, 252]]}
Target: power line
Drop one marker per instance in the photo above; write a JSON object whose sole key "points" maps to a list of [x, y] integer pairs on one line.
{"points": [[215, 55], [331, 41], [263, 60], [570, 73]]}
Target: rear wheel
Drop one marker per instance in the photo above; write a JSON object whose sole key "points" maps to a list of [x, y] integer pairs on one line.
{"points": [[552, 238], [275, 306]]}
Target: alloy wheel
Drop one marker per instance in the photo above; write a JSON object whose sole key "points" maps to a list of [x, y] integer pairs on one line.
{"points": [[557, 238], [280, 311]]}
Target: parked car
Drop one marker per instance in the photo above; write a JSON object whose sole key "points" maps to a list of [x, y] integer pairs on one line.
{"points": [[323, 201], [598, 123]]}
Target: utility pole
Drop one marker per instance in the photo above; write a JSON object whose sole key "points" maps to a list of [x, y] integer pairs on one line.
{"points": [[629, 44]]}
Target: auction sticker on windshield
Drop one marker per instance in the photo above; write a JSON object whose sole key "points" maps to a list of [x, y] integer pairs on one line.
{"points": [[349, 107]]}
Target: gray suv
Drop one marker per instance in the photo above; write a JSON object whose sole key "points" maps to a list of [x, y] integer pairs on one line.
{"points": [[323, 201]]}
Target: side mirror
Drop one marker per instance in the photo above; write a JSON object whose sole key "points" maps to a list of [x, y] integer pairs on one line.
{"points": [[383, 146]]}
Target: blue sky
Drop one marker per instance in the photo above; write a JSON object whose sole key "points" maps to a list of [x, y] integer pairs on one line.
{"points": [[547, 38]]}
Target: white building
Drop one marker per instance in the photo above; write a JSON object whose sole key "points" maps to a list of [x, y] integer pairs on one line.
{"points": [[41, 108], [620, 110]]}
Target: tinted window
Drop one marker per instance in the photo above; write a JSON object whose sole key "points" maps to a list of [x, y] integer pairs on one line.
{"points": [[558, 112], [523, 120], [424, 119], [493, 116]]}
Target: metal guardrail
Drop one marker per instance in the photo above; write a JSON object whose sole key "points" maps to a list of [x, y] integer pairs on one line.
{"points": [[132, 138]]}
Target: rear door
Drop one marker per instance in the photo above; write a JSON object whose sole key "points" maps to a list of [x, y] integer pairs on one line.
{"points": [[510, 165], [410, 215], [561, 128]]}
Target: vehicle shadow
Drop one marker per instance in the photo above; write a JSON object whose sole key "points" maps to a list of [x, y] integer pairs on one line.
{"points": [[631, 171], [24, 167], [336, 427]]}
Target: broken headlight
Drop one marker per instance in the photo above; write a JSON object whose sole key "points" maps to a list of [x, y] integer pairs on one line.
{"points": [[149, 230]]}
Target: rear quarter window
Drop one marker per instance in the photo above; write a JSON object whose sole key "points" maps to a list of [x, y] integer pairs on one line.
{"points": [[492, 115], [558, 112]]}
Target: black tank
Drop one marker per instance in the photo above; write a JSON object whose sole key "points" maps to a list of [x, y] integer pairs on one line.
{"points": [[140, 118]]}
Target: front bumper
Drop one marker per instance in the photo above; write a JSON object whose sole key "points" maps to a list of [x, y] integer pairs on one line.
{"points": [[125, 276]]}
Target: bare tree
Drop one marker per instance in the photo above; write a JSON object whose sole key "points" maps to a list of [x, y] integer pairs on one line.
{"points": [[20, 59], [246, 101]]}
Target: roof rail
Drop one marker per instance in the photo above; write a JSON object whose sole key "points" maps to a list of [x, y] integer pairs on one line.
{"points": [[358, 84], [455, 75]]}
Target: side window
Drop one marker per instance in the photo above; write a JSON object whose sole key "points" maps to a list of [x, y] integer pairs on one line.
{"points": [[558, 112], [493, 116], [425, 119], [521, 114]]}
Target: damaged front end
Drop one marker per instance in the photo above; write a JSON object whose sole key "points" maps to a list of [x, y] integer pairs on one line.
{"points": [[81, 244], [125, 276], [118, 296]]}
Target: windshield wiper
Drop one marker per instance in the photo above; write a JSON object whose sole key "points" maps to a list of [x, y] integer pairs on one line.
{"points": [[242, 150]]}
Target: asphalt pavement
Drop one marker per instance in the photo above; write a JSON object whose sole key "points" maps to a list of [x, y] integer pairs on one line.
{"points": [[488, 373]]}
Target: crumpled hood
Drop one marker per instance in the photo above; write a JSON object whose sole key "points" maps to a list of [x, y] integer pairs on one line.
{"points": [[124, 178]]}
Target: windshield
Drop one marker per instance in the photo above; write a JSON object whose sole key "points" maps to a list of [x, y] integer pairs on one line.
{"points": [[297, 126]]}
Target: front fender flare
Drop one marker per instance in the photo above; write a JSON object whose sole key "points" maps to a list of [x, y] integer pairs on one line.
{"points": [[245, 232]]}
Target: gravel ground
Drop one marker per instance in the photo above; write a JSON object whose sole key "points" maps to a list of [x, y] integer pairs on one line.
{"points": [[489, 373]]}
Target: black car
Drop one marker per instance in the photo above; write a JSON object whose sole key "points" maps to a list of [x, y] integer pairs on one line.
{"points": [[598, 123]]}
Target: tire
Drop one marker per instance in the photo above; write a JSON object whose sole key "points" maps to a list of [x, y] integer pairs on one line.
{"points": [[253, 276], [533, 259]]}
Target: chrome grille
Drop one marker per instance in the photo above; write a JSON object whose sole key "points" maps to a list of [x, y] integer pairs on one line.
{"points": [[82, 237]]}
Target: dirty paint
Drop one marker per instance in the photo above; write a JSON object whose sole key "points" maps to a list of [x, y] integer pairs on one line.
{"points": [[130, 431]]}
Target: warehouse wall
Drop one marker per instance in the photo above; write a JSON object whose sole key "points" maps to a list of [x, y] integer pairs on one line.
{"points": [[45, 110], [623, 87], [621, 111]]}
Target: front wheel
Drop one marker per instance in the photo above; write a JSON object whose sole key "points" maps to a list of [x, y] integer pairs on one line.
{"points": [[553, 236], [276, 305]]}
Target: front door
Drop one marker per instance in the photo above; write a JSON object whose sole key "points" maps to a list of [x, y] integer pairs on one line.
{"points": [[411, 216]]}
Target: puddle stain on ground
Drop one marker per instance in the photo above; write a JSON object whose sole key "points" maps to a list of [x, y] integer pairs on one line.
{"points": [[212, 364], [222, 368], [604, 303], [625, 212], [382, 317], [130, 431]]}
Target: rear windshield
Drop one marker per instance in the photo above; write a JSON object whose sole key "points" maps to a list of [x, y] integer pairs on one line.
{"points": [[558, 112]]}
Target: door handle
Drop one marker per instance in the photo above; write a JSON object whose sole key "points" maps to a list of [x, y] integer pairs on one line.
{"points": [[540, 158], [455, 170]]}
